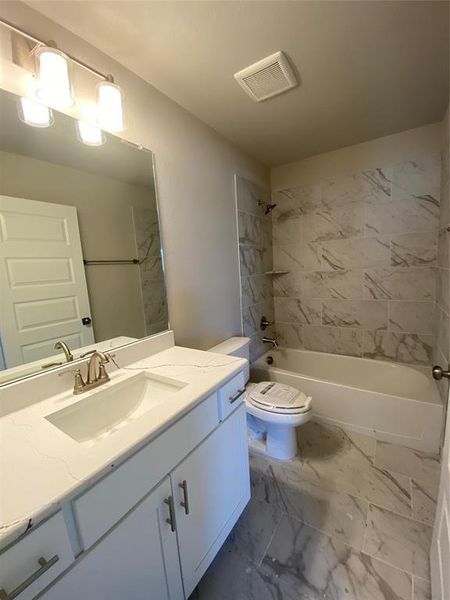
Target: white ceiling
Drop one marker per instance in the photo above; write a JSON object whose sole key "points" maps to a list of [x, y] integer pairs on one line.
{"points": [[367, 69]]}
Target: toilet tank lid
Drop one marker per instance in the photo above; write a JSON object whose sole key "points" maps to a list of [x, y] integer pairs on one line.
{"points": [[231, 345]]}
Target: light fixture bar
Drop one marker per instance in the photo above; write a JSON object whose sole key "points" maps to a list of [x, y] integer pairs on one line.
{"points": [[33, 38]]}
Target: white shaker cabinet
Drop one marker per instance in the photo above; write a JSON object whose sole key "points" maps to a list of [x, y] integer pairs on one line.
{"points": [[211, 488], [138, 559], [150, 528]]}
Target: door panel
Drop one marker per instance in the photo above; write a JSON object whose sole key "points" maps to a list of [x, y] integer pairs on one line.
{"points": [[440, 547], [138, 559], [215, 501], [44, 292]]}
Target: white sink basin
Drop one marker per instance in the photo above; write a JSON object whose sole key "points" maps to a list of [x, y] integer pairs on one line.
{"points": [[107, 410]]}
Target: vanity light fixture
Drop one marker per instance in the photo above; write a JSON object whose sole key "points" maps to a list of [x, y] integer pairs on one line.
{"points": [[110, 105], [90, 134], [53, 85], [35, 114]]}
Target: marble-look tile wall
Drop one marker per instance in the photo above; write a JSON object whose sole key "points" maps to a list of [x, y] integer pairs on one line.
{"points": [[361, 251], [148, 246], [442, 316], [255, 257]]}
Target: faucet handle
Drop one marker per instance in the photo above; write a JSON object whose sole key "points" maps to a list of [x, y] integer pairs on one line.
{"points": [[102, 374], [88, 353], [79, 384]]}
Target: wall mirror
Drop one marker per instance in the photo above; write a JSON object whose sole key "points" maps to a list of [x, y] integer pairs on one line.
{"points": [[80, 248]]}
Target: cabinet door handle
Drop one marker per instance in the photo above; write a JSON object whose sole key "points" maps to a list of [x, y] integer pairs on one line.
{"points": [[236, 396], [44, 566], [185, 503], [171, 518]]}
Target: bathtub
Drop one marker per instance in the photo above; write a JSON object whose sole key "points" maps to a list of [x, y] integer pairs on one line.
{"points": [[390, 401]]}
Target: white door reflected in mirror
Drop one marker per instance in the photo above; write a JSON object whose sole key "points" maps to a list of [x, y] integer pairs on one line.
{"points": [[44, 291]]}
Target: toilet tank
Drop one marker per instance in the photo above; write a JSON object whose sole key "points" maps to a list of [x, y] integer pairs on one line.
{"points": [[235, 346]]}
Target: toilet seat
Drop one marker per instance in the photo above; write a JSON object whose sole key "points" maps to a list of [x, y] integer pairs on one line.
{"points": [[278, 398]]}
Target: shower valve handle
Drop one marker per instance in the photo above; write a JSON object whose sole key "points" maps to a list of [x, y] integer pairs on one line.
{"points": [[439, 372], [264, 323]]}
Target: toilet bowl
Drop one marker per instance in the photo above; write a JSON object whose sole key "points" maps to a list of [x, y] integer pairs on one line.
{"points": [[274, 411]]}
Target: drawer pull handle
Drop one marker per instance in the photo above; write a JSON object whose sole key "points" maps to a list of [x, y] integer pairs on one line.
{"points": [[171, 518], [44, 566], [236, 396], [185, 503]]}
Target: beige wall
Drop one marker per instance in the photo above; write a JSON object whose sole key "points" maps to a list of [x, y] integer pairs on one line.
{"points": [[194, 180], [104, 208], [388, 150]]}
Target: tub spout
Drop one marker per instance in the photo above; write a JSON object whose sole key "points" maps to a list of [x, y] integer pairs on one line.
{"points": [[268, 340]]}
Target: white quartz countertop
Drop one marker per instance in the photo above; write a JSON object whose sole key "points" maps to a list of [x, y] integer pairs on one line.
{"points": [[41, 466]]}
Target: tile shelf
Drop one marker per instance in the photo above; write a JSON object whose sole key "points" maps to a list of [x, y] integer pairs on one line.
{"points": [[276, 272]]}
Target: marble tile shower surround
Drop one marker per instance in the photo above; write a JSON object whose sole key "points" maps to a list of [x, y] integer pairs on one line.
{"points": [[350, 518], [148, 244], [255, 257], [362, 255], [442, 314]]}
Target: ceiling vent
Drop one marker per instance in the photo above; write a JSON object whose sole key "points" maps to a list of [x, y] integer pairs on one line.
{"points": [[266, 78]]}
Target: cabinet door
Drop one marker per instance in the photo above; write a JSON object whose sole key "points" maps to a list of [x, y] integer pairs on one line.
{"points": [[138, 559], [211, 488]]}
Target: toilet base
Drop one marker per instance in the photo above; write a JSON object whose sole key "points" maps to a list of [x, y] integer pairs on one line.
{"points": [[279, 441]]}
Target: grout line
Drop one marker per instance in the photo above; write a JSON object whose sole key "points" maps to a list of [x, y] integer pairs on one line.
{"points": [[400, 515]]}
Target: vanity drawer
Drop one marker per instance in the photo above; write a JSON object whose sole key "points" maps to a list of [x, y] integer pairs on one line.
{"points": [[36, 559], [98, 509], [231, 395]]}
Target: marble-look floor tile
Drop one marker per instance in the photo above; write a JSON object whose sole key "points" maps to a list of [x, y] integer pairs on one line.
{"points": [[422, 466], [424, 499], [322, 441], [254, 529], [399, 541], [335, 513], [344, 461], [232, 576], [263, 482], [421, 589], [320, 567], [375, 485]]}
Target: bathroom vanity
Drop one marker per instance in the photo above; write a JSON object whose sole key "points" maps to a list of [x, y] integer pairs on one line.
{"points": [[127, 490]]}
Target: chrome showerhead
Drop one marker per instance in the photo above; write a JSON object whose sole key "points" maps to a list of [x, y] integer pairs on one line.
{"points": [[269, 207]]}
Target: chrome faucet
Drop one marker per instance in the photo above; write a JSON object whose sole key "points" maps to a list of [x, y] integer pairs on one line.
{"points": [[94, 378], [268, 340], [65, 348]]}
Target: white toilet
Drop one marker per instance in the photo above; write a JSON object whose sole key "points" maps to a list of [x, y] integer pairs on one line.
{"points": [[274, 410]]}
